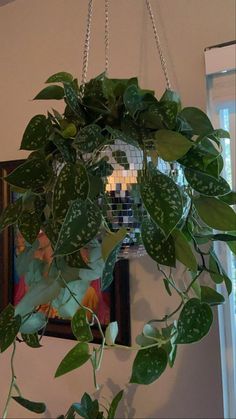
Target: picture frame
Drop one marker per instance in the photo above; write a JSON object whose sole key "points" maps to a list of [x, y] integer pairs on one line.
{"points": [[119, 290]]}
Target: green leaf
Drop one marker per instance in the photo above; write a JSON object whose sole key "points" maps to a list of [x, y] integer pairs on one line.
{"points": [[215, 213], [72, 98], [114, 405], [232, 246], [36, 133], [76, 357], [53, 92], [88, 408], [183, 251], [29, 226], [229, 198], [111, 333], [121, 158], [171, 96], [80, 326], [205, 184], [162, 200], [10, 214], [72, 183], [31, 339], [9, 327], [198, 120], [211, 296], [171, 145], [148, 365], [34, 323], [134, 100], [62, 77], [36, 407], [89, 138], [65, 148], [76, 260], [194, 321], [69, 131], [111, 240], [168, 112], [123, 136], [81, 225], [160, 248], [33, 174], [215, 272], [107, 275]]}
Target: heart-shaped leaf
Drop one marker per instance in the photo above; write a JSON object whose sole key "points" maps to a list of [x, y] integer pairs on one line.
{"points": [[148, 365], [171, 145], [80, 326], [215, 213], [229, 198], [205, 184], [107, 275], [9, 327], [72, 98], [33, 174], [36, 133], [81, 225], [72, 183], [89, 138], [162, 200], [160, 248], [194, 321], [11, 214], [29, 226], [211, 296], [183, 250], [53, 92], [31, 339], [198, 120], [74, 359], [61, 77], [36, 407]]}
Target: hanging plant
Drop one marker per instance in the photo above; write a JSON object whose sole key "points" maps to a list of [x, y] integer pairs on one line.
{"points": [[62, 192]]}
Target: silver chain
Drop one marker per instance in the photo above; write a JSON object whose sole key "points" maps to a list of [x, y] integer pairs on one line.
{"points": [[106, 38], [86, 45], [158, 44]]}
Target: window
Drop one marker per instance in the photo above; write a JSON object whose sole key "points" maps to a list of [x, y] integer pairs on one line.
{"points": [[221, 77]]}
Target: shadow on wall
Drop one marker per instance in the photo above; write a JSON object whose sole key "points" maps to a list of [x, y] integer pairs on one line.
{"points": [[3, 2]]}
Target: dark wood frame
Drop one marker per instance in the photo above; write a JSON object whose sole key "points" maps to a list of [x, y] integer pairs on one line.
{"points": [[120, 301]]}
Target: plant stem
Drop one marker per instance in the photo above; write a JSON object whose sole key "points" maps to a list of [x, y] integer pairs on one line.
{"points": [[13, 378], [168, 316]]}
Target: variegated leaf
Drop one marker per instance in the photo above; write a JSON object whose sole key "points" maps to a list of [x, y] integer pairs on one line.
{"points": [[206, 184], [160, 248], [81, 225], [72, 183], [36, 133], [11, 214], [29, 226], [162, 200], [33, 174], [9, 327], [194, 321]]}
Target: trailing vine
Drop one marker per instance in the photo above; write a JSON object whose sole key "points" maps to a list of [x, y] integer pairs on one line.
{"points": [[62, 192]]}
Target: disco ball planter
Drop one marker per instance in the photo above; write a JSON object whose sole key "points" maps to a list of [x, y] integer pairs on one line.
{"points": [[118, 174]]}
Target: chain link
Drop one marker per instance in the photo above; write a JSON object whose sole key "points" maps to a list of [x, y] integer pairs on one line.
{"points": [[158, 44], [86, 45], [106, 36]]}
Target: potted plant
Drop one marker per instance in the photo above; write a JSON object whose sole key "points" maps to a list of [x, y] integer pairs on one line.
{"points": [[62, 192]]}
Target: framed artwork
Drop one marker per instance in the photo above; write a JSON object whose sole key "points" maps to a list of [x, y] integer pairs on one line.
{"points": [[109, 305]]}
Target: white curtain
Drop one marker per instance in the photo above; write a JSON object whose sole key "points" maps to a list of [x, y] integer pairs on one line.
{"points": [[221, 88]]}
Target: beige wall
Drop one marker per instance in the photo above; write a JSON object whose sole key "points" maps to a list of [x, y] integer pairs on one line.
{"points": [[41, 37]]}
